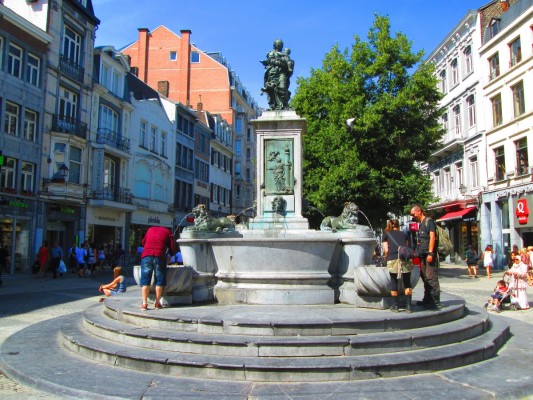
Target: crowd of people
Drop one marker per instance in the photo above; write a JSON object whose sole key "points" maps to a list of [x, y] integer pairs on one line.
{"points": [[85, 259]]}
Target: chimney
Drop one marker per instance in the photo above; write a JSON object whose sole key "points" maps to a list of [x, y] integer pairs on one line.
{"points": [[200, 105], [185, 68], [142, 55], [162, 88], [505, 5]]}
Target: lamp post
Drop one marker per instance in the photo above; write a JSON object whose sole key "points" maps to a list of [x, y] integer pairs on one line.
{"points": [[63, 171]]}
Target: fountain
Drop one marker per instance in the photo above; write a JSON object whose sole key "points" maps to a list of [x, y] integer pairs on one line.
{"points": [[282, 305]]}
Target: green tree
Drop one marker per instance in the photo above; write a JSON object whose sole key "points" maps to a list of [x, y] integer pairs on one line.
{"points": [[393, 98]]}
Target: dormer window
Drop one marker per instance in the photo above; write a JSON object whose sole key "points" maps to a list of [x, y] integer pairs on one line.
{"points": [[494, 27]]}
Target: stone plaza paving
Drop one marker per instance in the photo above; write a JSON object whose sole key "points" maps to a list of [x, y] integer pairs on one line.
{"points": [[25, 300]]}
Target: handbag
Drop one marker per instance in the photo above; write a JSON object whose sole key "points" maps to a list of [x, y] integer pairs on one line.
{"points": [[62, 268]]}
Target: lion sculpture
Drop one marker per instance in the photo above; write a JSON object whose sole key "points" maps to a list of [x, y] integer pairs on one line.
{"points": [[204, 222], [349, 219]]}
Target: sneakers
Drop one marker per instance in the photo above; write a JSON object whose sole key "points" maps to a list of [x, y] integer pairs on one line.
{"points": [[144, 307], [158, 306]]}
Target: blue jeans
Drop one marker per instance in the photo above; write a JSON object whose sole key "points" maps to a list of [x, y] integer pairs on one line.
{"points": [[153, 265]]}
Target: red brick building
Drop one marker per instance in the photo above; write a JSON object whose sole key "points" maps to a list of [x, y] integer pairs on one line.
{"points": [[186, 74]]}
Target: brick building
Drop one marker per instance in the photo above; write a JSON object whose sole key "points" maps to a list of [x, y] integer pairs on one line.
{"points": [[188, 75]]}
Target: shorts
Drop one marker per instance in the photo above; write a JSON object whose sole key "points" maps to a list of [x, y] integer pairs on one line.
{"points": [[114, 292], [153, 265], [498, 296]]}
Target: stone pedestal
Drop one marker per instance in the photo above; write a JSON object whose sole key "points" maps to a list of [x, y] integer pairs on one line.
{"points": [[279, 171], [179, 285]]}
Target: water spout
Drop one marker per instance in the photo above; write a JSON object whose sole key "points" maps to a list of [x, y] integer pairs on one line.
{"points": [[243, 211], [183, 219], [316, 209], [370, 225]]}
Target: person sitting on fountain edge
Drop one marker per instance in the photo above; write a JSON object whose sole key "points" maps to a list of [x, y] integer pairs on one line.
{"points": [[427, 251], [157, 241]]}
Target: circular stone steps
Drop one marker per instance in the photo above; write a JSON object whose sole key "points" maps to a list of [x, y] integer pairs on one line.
{"points": [[283, 343]]}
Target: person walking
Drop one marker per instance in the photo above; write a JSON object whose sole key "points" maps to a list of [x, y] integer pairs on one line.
{"points": [[393, 239], [488, 259], [5, 261], [518, 274], [56, 255], [156, 242], [44, 255], [427, 251], [471, 261]]}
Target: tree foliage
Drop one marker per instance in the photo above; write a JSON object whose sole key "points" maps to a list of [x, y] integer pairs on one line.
{"points": [[395, 124]]}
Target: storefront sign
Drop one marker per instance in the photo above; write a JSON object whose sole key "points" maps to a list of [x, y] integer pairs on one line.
{"points": [[522, 211], [64, 210], [153, 220], [14, 203]]}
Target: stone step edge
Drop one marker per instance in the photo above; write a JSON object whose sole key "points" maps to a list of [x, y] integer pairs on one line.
{"points": [[303, 369], [160, 319], [97, 323]]}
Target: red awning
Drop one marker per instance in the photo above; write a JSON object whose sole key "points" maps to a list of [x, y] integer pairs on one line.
{"points": [[456, 214]]}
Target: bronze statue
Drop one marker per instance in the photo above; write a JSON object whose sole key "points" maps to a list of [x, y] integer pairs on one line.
{"points": [[278, 70]]}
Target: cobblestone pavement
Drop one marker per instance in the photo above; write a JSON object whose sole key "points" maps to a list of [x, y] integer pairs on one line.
{"points": [[25, 300]]}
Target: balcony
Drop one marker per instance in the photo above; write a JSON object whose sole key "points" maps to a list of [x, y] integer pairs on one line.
{"points": [[71, 69], [112, 197], [108, 137], [64, 124]]}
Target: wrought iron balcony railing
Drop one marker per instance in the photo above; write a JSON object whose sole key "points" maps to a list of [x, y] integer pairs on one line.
{"points": [[113, 139], [70, 125], [71, 69], [118, 194]]}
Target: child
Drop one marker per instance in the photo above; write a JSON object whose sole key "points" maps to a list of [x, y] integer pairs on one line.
{"points": [[496, 298], [118, 285]]}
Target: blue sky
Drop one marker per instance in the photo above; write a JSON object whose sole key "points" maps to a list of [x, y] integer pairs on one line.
{"points": [[244, 30]]}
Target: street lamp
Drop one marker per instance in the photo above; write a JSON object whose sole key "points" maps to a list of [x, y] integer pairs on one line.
{"points": [[63, 171]]}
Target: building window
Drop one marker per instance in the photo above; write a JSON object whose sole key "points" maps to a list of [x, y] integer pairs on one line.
{"points": [[458, 180], [71, 45], [27, 176], [494, 65], [11, 119], [471, 104], [455, 72], [173, 56], [436, 182], [522, 161], [74, 165], [474, 172], [33, 69], [469, 63], [457, 120], [14, 61], [7, 174], [447, 180], [195, 57], [443, 86], [68, 103], [238, 148], [519, 105], [163, 144], [1, 52], [496, 110], [110, 169], [237, 192], [108, 120], [494, 27], [516, 52], [153, 138], [237, 169], [30, 125], [142, 134], [445, 122], [499, 157]]}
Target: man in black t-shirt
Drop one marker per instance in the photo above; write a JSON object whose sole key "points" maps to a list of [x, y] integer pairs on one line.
{"points": [[427, 251], [5, 260]]}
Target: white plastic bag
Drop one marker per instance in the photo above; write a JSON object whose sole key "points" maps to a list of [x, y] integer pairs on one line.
{"points": [[62, 267]]}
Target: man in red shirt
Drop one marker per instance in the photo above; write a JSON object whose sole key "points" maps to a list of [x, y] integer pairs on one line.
{"points": [[157, 241]]}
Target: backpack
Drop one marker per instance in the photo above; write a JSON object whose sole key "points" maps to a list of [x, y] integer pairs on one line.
{"points": [[444, 244]]}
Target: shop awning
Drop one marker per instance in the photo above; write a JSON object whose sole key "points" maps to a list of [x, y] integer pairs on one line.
{"points": [[457, 214]]}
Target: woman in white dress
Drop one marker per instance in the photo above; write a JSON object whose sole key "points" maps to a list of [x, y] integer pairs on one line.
{"points": [[518, 283], [488, 259]]}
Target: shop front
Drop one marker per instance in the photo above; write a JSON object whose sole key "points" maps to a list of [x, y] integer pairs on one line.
{"points": [[105, 227], [141, 220], [62, 225], [506, 220], [462, 226], [17, 218]]}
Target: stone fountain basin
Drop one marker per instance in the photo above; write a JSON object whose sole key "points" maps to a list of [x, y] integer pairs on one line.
{"points": [[277, 267]]}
